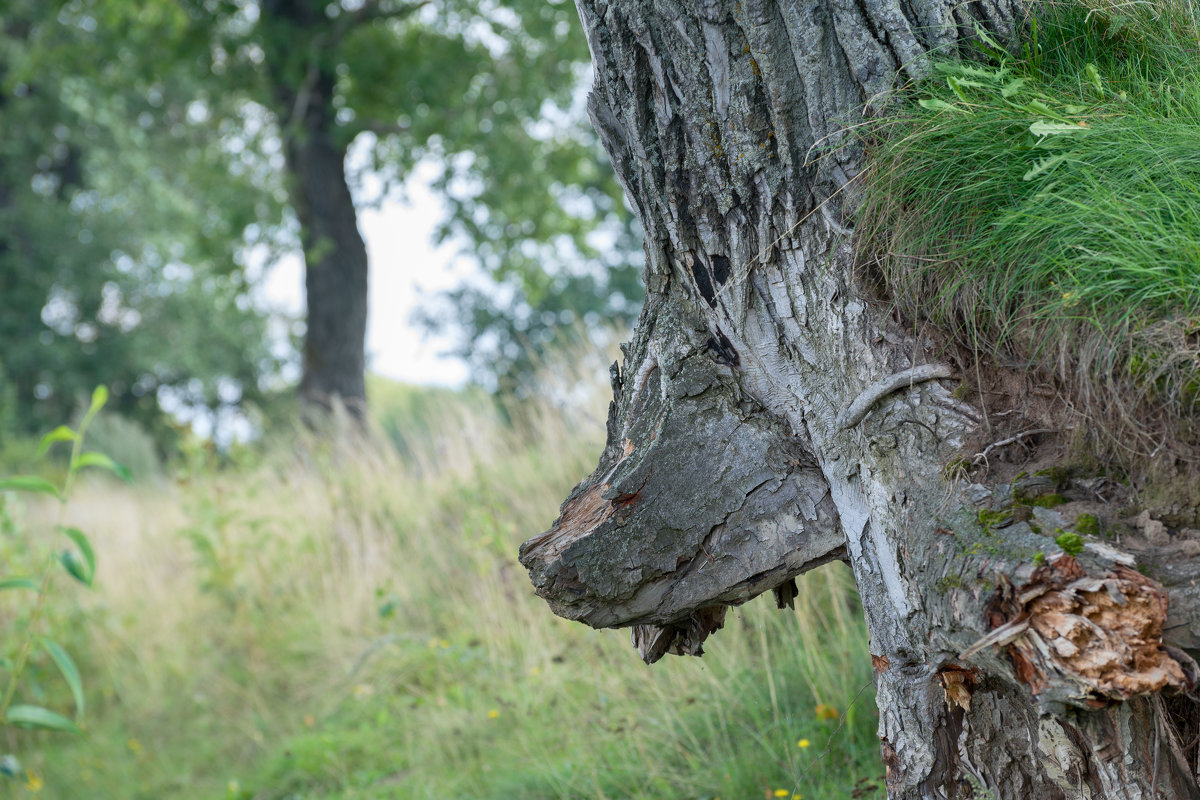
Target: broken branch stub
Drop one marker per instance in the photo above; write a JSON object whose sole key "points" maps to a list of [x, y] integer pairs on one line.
{"points": [[1081, 632], [1086, 634], [701, 500]]}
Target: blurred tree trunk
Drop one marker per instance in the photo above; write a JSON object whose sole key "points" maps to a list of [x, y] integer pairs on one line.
{"points": [[335, 279], [771, 416]]}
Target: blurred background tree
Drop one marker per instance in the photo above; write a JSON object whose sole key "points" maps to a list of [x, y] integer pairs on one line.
{"points": [[121, 223], [160, 156]]}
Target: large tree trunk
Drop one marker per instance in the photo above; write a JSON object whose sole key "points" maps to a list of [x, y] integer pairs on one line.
{"points": [[294, 34], [335, 278], [771, 416]]}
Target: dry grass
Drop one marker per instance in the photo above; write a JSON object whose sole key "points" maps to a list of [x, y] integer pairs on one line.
{"points": [[336, 621]]}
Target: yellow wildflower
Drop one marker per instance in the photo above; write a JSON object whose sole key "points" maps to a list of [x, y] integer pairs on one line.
{"points": [[134, 745], [782, 792], [803, 743], [445, 643], [33, 781], [493, 713]]}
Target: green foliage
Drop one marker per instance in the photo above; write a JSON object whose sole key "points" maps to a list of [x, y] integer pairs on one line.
{"points": [[992, 518], [1047, 500], [78, 561], [1087, 525], [121, 216], [1070, 542], [147, 159], [948, 582], [487, 91], [129, 444], [1067, 189]]}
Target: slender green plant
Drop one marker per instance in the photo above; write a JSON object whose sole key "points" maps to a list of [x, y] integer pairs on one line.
{"points": [[78, 559]]}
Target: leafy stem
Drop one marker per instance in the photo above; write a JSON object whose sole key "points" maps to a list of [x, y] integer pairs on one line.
{"points": [[83, 571]]}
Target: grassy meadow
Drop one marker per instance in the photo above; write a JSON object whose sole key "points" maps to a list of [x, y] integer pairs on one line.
{"points": [[350, 621]]}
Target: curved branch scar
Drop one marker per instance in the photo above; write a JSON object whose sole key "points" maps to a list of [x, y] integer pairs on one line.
{"points": [[880, 389]]}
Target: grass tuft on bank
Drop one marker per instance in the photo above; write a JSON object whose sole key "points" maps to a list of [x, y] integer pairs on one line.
{"points": [[1044, 208]]}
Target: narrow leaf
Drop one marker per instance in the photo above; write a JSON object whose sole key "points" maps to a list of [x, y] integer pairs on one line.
{"points": [[1043, 128], [38, 717], [1012, 87], [933, 104], [28, 483], [77, 570], [956, 85], [973, 84], [987, 39], [70, 673], [60, 434], [980, 73], [1094, 76], [19, 583], [85, 548], [101, 461], [99, 398]]}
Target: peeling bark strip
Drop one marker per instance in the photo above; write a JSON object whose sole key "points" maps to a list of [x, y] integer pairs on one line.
{"points": [[761, 429]]}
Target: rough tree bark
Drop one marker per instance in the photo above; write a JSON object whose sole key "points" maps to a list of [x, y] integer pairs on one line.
{"points": [[335, 256], [770, 417]]}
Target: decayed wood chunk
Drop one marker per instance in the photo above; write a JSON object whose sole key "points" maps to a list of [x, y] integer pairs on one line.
{"points": [[1096, 637]]}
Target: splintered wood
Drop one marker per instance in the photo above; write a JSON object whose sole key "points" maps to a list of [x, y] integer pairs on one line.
{"points": [[1098, 637], [655, 641], [580, 516]]}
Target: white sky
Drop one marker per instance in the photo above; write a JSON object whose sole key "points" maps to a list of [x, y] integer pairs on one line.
{"points": [[404, 263]]}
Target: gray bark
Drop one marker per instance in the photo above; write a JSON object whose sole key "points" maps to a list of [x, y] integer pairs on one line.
{"points": [[770, 417]]}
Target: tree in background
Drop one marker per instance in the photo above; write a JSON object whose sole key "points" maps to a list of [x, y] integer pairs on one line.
{"points": [[163, 154], [122, 215], [471, 84]]}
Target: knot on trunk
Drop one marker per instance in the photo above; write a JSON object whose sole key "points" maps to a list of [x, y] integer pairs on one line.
{"points": [[700, 500]]}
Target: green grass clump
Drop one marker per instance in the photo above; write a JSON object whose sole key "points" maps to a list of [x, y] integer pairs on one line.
{"points": [[1087, 525], [1070, 542], [335, 621], [1046, 207]]}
